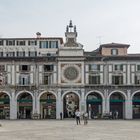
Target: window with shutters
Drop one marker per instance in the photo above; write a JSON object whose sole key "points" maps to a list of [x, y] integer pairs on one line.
{"points": [[94, 67], [24, 68], [2, 68], [1, 42], [10, 42], [21, 42], [48, 68], [114, 51], [138, 67], [32, 42], [118, 67], [24, 80], [137, 79], [117, 79], [94, 79]]}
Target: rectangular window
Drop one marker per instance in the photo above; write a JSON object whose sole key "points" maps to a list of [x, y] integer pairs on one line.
{"points": [[94, 79], [2, 68], [46, 79], [10, 54], [118, 67], [21, 43], [53, 44], [48, 68], [1, 42], [1, 54], [94, 67], [21, 54], [25, 68], [32, 53], [10, 42], [117, 79], [138, 67], [137, 79], [24, 80], [114, 51], [43, 44], [32, 42]]}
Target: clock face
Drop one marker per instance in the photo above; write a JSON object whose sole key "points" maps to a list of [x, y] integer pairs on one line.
{"points": [[71, 73]]}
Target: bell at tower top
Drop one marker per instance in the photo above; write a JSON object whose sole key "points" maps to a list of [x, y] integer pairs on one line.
{"points": [[71, 47], [71, 29]]}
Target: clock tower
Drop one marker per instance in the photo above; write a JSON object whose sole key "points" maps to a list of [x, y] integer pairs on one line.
{"points": [[71, 59]]}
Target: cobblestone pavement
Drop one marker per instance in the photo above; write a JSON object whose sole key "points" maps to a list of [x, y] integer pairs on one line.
{"points": [[68, 130]]}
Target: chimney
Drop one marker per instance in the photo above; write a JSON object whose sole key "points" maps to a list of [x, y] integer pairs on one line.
{"points": [[38, 34]]}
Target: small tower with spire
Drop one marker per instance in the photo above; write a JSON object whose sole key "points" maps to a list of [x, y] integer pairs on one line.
{"points": [[71, 47], [71, 34]]}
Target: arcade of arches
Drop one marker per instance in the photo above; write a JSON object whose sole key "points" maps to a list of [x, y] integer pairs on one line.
{"points": [[49, 106]]}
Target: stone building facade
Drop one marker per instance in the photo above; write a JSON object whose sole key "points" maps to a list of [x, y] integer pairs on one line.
{"points": [[43, 77]]}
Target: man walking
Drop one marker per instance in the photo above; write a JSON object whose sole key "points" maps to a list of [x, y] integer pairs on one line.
{"points": [[85, 118], [77, 115]]}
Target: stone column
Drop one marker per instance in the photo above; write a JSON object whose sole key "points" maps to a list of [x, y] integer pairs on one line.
{"points": [[59, 104], [34, 105], [13, 106], [107, 102], [82, 101], [128, 106], [37, 104]]}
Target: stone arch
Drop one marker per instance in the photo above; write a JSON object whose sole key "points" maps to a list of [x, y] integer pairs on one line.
{"points": [[6, 93], [40, 94], [118, 91], [75, 92], [117, 104], [95, 91], [19, 93], [25, 105], [71, 102], [133, 94], [135, 98], [5, 105], [47, 111], [95, 108]]}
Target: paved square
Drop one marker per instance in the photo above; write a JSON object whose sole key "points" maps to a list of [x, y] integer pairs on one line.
{"points": [[68, 130]]}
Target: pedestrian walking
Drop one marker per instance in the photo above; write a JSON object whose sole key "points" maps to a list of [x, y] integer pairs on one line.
{"points": [[117, 114], [85, 118], [77, 115], [61, 115]]}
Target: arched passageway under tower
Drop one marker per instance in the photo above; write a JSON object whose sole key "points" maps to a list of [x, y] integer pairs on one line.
{"points": [[117, 105], [47, 106], [94, 105], [136, 105], [70, 105], [4, 106], [24, 106]]}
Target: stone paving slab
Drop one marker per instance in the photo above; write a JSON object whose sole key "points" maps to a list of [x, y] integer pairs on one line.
{"points": [[68, 130]]}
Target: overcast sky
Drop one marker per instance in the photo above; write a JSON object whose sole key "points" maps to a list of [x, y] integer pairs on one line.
{"points": [[97, 21]]}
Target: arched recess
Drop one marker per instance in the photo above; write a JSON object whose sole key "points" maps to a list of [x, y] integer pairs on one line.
{"points": [[94, 104], [4, 105], [47, 103], [117, 104], [71, 102], [24, 105], [136, 104]]}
